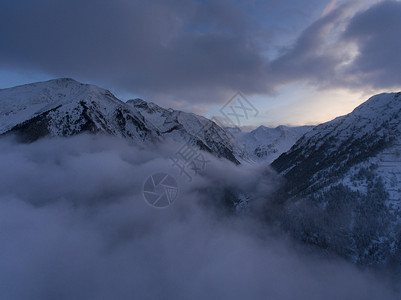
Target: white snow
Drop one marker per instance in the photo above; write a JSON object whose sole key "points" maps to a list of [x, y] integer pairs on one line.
{"points": [[24, 102]]}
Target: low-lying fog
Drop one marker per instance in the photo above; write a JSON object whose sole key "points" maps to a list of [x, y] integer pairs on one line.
{"points": [[74, 225]]}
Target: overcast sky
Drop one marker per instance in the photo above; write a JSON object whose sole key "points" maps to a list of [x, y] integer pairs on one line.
{"points": [[297, 61]]}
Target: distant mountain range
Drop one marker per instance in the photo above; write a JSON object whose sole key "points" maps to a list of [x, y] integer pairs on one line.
{"points": [[265, 144], [65, 107]]}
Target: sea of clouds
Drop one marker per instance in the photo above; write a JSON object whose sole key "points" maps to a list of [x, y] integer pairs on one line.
{"points": [[74, 225]]}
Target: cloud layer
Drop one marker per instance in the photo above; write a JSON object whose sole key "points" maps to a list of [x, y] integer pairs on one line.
{"points": [[203, 51], [142, 46], [74, 225], [375, 31]]}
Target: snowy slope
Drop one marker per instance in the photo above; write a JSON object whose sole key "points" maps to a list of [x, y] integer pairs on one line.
{"points": [[65, 107], [266, 144], [337, 145], [348, 172], [190, 128]]}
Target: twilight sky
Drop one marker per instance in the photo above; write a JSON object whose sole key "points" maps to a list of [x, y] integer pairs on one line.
{"points": [[297, 61]]}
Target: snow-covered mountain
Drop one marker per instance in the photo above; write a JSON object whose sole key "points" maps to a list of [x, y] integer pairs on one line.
{"points": [[266, 144], [65, 107], [343, 183], [201, 132]]}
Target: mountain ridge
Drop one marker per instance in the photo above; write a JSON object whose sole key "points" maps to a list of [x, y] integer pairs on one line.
{"points": [[64, 107], [342, 182]]}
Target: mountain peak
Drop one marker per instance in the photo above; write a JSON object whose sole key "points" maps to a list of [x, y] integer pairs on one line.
{"points": [[140, 104], [64, 80], [58, 82], [381, 102], [137, 101]]}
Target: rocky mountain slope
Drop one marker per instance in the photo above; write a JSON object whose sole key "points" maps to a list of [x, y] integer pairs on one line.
{"points": [[343, 183], [197, 130], [65, 107]]}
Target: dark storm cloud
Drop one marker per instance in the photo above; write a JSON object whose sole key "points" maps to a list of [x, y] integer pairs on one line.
{"points": [[310, 58], [200, 51], [74, 225], [377, 33], [142, 46], [344, 49]]}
